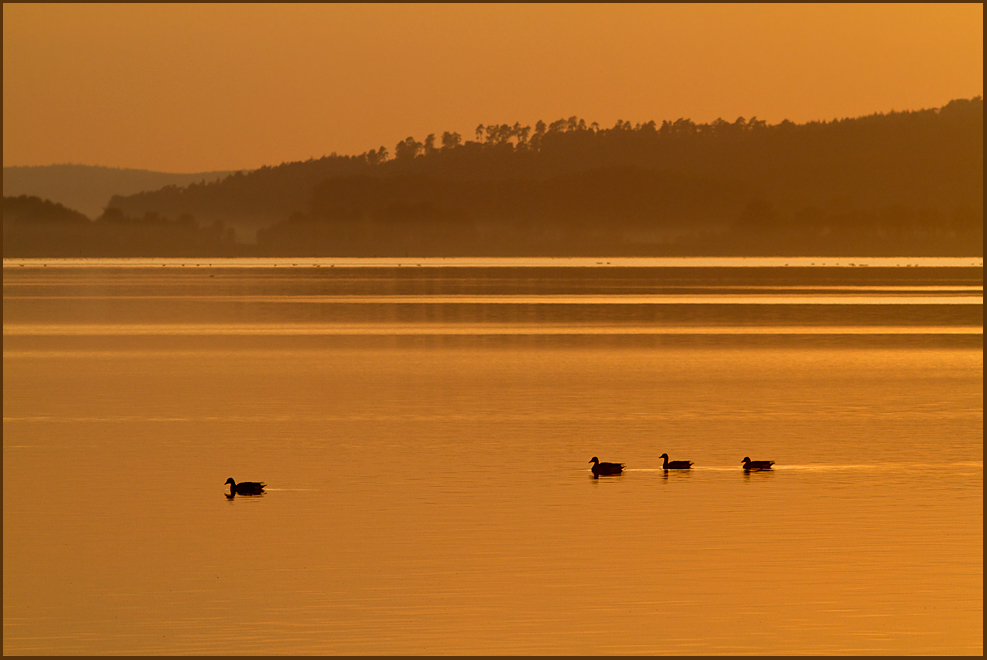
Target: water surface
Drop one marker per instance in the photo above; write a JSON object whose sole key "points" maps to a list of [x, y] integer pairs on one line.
{"points": [[424, 432]]}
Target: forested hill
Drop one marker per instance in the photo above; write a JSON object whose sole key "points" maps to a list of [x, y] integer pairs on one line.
{"points": [[898, 183], [87, 188]]}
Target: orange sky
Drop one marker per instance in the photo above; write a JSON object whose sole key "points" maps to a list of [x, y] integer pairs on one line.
{"points": [[188, 88]]}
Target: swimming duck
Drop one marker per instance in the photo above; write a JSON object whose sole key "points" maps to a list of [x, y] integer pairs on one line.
{"points": [[605, 468], [756, 465], [245, 487], [675, 465]]}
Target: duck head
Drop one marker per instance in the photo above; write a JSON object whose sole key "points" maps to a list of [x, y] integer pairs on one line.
{"points": [[746, 459], [231, 482], [594, 460], [665, 456]]}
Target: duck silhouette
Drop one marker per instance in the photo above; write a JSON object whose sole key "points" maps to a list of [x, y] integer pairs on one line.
{"points": [[756, 465], [245, 487], [674, 465], [605, 469]]}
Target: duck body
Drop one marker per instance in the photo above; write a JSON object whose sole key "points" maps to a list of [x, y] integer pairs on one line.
{"points": [[674, 465], [756, 465], [605, 469], [245, 487]]}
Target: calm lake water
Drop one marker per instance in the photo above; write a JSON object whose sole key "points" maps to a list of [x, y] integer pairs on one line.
{"points": [[425, 432]]}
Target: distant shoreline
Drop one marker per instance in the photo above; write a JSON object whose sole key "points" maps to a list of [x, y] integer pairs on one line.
{"points": [[498, 262]]}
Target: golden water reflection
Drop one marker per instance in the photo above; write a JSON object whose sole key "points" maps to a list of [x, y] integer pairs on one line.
{"points": [[430, 494]]}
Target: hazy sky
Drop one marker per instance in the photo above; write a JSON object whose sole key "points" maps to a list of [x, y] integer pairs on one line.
{"points": [[188, 88]]}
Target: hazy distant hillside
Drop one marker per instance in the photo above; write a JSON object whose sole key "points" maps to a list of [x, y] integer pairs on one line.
{"points": [[89, 188], [35, 227], [901, 181], [35, 212]]}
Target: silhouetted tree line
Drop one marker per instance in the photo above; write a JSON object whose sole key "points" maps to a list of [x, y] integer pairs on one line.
{"points": [[896, 183], [33, 227]]}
